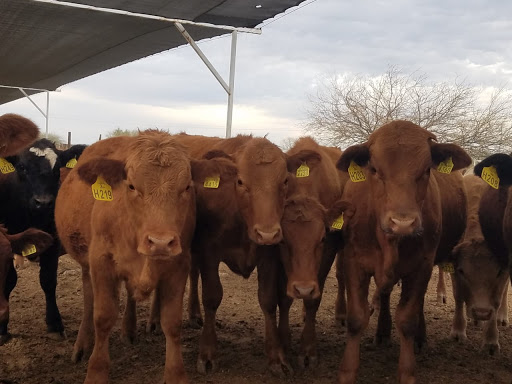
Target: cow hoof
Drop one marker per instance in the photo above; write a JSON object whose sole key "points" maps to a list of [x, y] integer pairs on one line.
{"points": [[195, 322], [419, 346], [77, 355], [205, 366], [492, 349], [5, 338], [407, 379], [346, 377], [154, 328], [459, 336], [382, 341], [281, 369], [305, 362], [341, 318], [503, 322], [57, 336]]}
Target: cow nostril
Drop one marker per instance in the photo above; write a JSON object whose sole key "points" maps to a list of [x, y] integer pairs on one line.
{"points": [[403, 222], [302, 291]]}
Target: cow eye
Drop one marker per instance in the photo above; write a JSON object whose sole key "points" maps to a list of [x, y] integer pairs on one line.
{"points": [[286, 181], [239, 182], [373, 170], [188, 188], [460, 271], [132, 188]]}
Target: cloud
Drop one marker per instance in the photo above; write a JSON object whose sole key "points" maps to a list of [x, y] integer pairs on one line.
{"points": [[276, 71]]}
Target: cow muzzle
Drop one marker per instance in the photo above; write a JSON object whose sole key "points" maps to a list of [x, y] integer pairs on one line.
{"points": [[303, 290], [42, 202], [268, 236], [482, 314], [402, 224], [161, 245]]}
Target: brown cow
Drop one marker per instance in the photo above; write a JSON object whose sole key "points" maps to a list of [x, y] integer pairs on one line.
{"points": [[238, 223], [480, 279], [394, 233], [16, 133], [142, 237], [309, 249]]}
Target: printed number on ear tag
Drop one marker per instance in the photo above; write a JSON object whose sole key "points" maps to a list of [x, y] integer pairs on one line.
{"points": [[447, 267], [101, 190], [446, 166], [6, 167], [211, 182], [338, 223], [356, 173], [30, 249], [490, 176], [303, 171], [71, 163]]}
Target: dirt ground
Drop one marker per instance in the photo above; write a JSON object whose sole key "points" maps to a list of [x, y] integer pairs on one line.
{"points": [[32, 358]]}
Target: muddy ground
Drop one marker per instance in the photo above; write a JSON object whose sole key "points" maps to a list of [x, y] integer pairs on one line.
{"points": [[31, 358]]}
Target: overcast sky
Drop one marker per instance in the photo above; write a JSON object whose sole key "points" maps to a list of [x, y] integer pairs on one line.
{"points": [[276, 71]]}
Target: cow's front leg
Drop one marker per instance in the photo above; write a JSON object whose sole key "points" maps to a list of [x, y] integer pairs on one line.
{"points": [[48, 280], [10, 282], [268, 275], [171, 290], [358, 315], [129, 325], [459, 324], [106, 297], [195, 319], [85, 339], [441, 287], [408, 321], [341, 302], [383, 333], [212, 297], [503, 310]]}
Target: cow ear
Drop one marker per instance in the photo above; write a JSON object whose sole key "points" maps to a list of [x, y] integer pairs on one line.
{"points": [[41, 240], [503, 165], [340, 207], [306, 156], [442, 152], [216, 153], [71, 153], [222, 166], [360, 154], [113, 171]]}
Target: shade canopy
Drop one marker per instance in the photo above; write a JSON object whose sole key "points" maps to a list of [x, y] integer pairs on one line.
{"points": [[45, 45]]}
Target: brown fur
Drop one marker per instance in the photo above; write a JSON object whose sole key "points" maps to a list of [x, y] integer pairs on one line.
{"points": [[393, 234], [16, 133], [151, 181]]}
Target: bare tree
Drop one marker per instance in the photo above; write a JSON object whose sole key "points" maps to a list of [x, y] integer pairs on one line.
{"points": [[347, 109]]}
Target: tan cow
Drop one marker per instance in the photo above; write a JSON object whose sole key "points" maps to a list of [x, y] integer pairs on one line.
{"points": [[239, 223], [309, 248], [394, 233], [142, 237], [480, 279]]}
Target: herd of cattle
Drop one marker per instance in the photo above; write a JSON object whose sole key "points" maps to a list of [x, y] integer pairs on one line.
{"points": [[156, 209]]}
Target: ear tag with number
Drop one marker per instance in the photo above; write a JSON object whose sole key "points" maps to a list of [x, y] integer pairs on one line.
{"points": [[30, 249], [356, 173], [211, 182], [303, 171], [5, 166], [101, 190], [338, 223], [490, 176], [446, 166], [447, 267], [71, 163]]}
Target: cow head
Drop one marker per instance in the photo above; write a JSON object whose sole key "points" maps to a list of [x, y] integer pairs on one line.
{"points": [[16, 133], [306, 226], [10, 244], [481, 276], [153, 188], [261, 189], [397, 161]]}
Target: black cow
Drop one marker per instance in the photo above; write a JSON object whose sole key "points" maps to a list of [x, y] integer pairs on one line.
{"points": [[30, 192]]}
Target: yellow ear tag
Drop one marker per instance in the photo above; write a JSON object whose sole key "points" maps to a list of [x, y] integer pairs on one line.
{"points": [[101, 190], [211, 182], [338, 223], [30, 249], [356, 173], [446, 166], [71, 163], [447, 267], [303, 171], [490, 176], [5, 166]]}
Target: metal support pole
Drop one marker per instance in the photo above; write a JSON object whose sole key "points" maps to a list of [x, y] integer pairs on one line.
{"points": [[231, 90], [47, 111]]}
